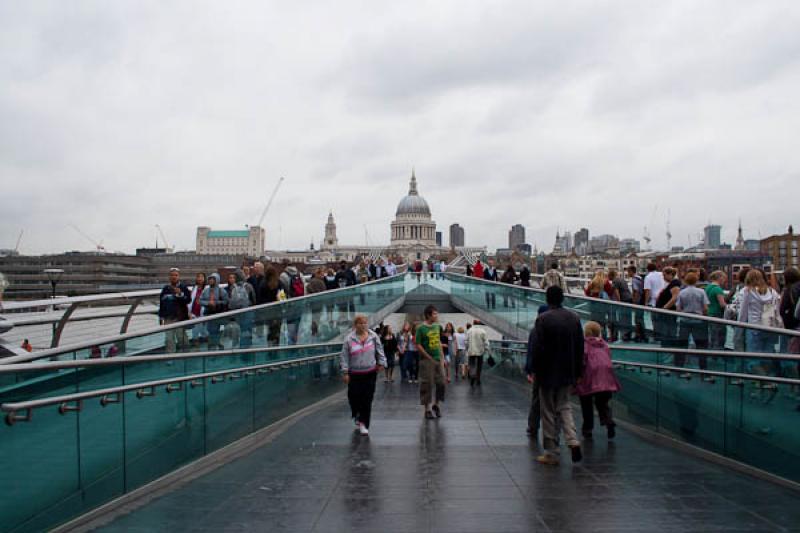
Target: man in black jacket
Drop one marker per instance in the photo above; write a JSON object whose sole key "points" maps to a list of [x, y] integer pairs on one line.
{"points": [[174, 307], [557, 364]]}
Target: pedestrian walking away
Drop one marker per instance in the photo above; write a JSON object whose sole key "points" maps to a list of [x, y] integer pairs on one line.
{"points": [[361, 360], [598, 383], [535, 411], [557, 362], [477, 347]]}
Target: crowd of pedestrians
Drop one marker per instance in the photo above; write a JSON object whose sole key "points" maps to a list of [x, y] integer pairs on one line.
{"points": [[257, 285]]}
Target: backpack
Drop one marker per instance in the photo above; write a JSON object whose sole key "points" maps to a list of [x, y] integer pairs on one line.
{"points": [[770, 314], [296, 287], [239, 298], [732, 309]]}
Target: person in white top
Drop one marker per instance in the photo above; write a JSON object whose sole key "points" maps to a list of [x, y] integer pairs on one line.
{"points": [[461, 348], [477, 346], [653, 283]]}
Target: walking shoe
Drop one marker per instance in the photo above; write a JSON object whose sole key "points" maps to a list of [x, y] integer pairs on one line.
{"points": [[577, 456], [612, 431], [429, 415], [587, 434], [356, 422], [362, 429], [547, 459], [437, 411]]}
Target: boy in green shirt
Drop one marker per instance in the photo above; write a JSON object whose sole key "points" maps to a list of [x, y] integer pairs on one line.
{"points": [[431, 363]]}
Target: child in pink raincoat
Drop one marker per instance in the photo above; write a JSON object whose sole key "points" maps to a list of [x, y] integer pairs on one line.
{"points": [[598, 383]]}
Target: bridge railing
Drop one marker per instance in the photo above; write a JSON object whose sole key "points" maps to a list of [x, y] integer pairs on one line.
{"points": [[731, 403], [44, 322], [306, 319], [90, 431], [671, 329]]}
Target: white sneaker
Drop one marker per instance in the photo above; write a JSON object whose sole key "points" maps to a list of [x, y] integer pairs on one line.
{"points": [[362, 429]]}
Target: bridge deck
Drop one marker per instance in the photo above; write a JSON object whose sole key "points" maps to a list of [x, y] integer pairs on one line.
{"points": [[470, 471]]}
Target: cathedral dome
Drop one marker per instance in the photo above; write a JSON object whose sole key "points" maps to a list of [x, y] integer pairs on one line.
{"points": [[413, 204]]}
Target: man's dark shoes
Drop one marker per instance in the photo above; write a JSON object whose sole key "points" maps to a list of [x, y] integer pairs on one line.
{"points": [[429, 415], [577, 456], [612, 431], [437, 411], [587, 434]]}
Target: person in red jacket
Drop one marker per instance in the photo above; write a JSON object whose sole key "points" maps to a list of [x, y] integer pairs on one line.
{"points": [[477, 271], [598, 383]]}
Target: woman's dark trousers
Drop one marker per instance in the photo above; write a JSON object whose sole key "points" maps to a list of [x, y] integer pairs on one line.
{"points": [[360, 392]]}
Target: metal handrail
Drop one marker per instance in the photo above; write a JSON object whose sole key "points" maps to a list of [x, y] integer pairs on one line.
{"points": [[146, 388], [54, 318], [687, 351], [15, 305], [643, 308], [44, 354], [122, 360], [714, 373]]}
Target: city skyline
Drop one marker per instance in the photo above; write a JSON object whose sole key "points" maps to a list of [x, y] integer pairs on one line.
{"points": [[123, 116]]}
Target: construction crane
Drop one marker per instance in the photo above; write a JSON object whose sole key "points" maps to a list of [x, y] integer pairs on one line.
{"points": [[98, 245], [269, 202], [163, 238], [669, 233], [646, 238], [19, 239]]}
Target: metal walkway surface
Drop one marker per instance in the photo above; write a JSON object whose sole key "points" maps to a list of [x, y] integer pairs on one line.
{"points": [[471, 471]]}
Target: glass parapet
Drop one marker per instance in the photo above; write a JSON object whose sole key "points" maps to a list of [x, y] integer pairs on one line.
{"points": [[65, 458], [706, 401], [518, 307], [309, 319]]}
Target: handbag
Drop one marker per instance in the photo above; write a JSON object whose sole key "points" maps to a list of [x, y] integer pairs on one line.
{"points": [[491, 362]]}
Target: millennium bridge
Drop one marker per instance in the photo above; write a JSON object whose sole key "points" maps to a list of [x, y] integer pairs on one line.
{"points": [[110, 432]]}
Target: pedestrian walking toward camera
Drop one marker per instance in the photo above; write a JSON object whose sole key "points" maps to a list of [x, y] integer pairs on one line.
{"points": [[477, 346], [598, 383], [214, 300], [431, 363], [557, 362], [173, 308], [361, 360], [389, 340]]}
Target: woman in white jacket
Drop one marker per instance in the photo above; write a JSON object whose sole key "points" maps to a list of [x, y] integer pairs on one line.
{"points": [[760, 305]]}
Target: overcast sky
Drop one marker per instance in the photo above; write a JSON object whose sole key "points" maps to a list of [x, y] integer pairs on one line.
{"points": [[116, 116]]}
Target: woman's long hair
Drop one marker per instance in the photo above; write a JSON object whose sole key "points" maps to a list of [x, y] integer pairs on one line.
{"points": [[271, 277], [755, 280]]}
